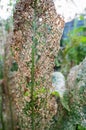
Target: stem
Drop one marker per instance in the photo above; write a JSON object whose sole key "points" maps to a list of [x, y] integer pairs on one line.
{"points": [[32, 88], [8, 96], [32, 72], [1, 108]]}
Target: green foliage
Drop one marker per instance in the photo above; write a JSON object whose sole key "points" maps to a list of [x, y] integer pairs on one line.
{"points": [[81, 128], [56, 94], [65, 101], [73, 53], [74, 49]]}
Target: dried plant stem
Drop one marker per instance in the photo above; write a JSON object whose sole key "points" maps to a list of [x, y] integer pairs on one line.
{"points": [[8, 96]]}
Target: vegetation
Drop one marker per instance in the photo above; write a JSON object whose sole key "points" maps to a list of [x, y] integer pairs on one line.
{"points": [[74, 48], [73, 52], [28, 64]]}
